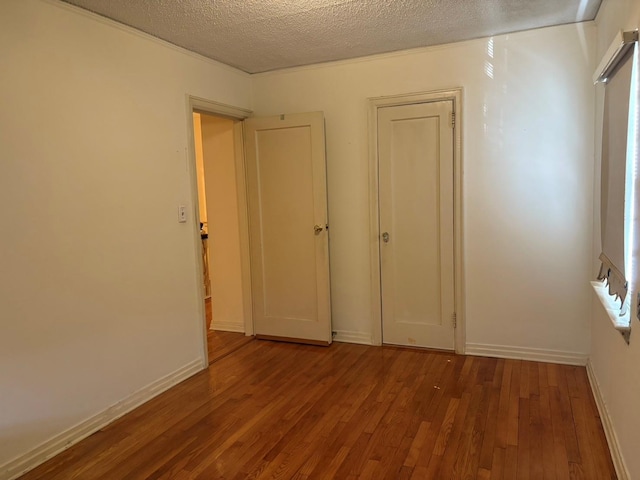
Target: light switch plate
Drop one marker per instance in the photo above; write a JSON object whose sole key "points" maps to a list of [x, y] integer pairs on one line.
{"points": [[182, 214]]}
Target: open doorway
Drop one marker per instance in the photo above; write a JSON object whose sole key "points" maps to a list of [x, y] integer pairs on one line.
{"points": [[220, 233], [285, 167]]}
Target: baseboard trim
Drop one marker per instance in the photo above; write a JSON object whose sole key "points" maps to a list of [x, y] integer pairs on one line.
{"points": [[347, 336], [526, 353], [607, 425], [228, 326], [30, 460]]}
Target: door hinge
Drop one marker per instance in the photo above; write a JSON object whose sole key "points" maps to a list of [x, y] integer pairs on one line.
{"points": [[454, 319], [453, 119]]}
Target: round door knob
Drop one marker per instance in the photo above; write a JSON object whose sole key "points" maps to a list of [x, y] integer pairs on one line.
{"points": [[317, 229]]}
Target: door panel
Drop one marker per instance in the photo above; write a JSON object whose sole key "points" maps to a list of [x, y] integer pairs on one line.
{"points": [[415, 147], [286, 179]]}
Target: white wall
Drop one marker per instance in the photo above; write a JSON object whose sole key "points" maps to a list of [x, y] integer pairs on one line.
{"points": [[98, 292], [528, 108], [225, 269], [615, 365]]}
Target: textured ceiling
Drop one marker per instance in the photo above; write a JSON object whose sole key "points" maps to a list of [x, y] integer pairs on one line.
{"points": [[261, 35]]}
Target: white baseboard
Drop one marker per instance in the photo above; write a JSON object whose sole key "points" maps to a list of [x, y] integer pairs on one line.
{"points": [[346, 336], [525, 353], [28, 461], [607, 424], [228, 326]]}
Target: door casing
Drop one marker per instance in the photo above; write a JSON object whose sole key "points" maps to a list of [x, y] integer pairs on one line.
{"points": [[200, 105], [455, 95]]}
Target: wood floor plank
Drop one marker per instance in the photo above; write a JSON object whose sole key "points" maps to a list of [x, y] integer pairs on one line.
{"points": [[369, 470], [502, 429], [546, 431], [468, 443], [488, 439], [523, 436], [534, 383], [271, 410], [524, 380], [440, 404], [535, 437], [483, 474], [514, 404], [511, 462], [586, 453], [497, 464], [446, 427], [477, 435], [557, 422], [416, 444], [419, 473], [487, 370], [449, 454], [570, 437]]}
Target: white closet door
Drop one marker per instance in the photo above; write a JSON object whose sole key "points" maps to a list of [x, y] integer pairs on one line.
{"points": [[416, 195]]}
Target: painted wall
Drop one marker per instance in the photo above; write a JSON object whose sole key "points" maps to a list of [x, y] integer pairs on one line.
{"points": [[615, 365], [98, 296], [225, 269], [528, 176]]}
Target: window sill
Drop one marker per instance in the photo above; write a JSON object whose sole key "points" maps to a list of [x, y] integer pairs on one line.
{"points": [[622, 324]]}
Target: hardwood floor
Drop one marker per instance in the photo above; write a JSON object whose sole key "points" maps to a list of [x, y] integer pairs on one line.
{"points": [[284, 411], [221, 344]]}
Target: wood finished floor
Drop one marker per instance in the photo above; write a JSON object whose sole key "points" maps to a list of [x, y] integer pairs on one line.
{"points": [[284, 411], [221, 344]]}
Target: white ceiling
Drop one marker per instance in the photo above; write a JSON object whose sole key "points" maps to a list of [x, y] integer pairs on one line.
{"points": [[262, 35]]}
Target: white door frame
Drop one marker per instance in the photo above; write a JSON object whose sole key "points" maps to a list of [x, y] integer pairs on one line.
{"points": [[201, 105], [455, 95]]}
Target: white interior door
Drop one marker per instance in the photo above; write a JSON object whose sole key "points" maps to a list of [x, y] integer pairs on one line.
{"points": [[289, 239], [416, 205]]}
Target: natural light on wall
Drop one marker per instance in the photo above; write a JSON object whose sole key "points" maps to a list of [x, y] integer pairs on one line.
{"points": [[488, 65]]}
